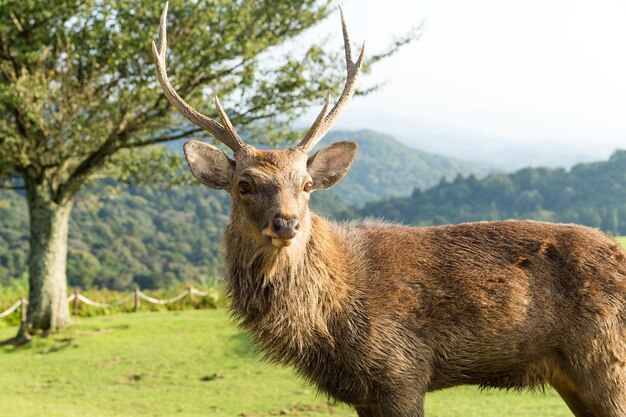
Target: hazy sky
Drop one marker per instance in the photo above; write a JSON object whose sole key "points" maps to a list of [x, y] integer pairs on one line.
{"points": [[532, 70]]}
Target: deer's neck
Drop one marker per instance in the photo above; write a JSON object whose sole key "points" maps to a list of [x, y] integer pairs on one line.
{"points": [[287, 297]]}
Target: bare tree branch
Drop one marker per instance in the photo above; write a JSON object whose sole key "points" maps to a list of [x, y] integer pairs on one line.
{"points": [[160, 139]]}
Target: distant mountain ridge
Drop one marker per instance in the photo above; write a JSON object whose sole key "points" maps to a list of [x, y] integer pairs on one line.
{"points": [[156, 238], [509, 153], [384, 167], [592, 194]]}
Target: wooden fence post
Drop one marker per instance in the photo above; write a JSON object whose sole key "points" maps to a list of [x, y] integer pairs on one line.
{"points": [[136, 299], [190, 296], [23, 310], [76, 301]]}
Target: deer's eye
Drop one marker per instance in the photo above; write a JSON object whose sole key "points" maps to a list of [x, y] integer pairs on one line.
{"points": [[245, 187], [308, 187]]}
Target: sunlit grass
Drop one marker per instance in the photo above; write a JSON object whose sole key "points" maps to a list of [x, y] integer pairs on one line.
{"points": [[189, 363]]}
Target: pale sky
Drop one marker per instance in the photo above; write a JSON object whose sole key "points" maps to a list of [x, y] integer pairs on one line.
{"points": [[519, 71]]}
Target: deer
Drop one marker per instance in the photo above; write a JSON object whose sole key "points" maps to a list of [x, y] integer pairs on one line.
{"points": [[376, 314]]}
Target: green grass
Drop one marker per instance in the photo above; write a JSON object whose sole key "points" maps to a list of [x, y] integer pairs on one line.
{"points": [[621, 240], [189, 363]]}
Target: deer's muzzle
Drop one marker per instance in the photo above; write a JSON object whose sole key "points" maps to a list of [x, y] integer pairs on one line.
{"points": [[282, 231], [285, 229]]}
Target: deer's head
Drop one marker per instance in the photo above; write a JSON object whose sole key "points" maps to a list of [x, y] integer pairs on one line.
{"points": [[270, 189]]}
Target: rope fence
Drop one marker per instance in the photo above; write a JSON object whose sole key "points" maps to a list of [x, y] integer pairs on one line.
{"points": [[12, 309], [136, 295]]}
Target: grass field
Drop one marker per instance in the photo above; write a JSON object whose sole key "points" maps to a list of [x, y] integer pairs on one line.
{"points": [[189, 363]]}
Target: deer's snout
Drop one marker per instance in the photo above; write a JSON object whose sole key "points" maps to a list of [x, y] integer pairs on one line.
{"points": [[285, 228]]}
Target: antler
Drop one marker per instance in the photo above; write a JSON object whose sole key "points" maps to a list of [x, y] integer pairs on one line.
{"points": [[326, 119], [225, 133]]}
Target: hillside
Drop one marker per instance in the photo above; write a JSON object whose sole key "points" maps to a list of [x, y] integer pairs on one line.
{"points": [[592, 194], [121, 236], [385, 167]]}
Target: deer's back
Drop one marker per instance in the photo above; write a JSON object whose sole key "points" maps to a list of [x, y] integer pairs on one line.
{"points": [[482, 300]]}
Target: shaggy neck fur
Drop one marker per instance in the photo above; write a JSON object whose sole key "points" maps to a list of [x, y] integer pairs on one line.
{"points": [[286, 296]]}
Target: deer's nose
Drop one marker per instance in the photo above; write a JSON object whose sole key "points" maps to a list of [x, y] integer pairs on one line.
{"points": [[286, 228]]}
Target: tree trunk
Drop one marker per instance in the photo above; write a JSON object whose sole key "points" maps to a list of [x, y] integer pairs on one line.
{"points": [[48, 308]]}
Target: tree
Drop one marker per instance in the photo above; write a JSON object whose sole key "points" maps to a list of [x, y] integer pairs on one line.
{"points": [[79, 100]]}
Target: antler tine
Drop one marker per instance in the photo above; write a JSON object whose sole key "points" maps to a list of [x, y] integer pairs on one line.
{"points": [[317, 124], [162, 46], [326, 119], [347, 46], [226, 133], [227, 124]]}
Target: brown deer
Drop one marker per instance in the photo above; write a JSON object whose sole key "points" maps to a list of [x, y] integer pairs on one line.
{"points": [[378, 314]]}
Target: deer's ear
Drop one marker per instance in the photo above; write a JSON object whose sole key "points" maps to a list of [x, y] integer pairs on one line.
{"points": [[330, 164], [210, 165]]}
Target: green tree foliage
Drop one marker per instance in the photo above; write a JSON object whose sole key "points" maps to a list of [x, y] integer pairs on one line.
{"points": [[592, 194]]}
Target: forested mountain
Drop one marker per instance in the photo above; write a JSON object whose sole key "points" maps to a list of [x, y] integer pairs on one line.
{"points": [[592, 194], [385, 167], [120, 237]]}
